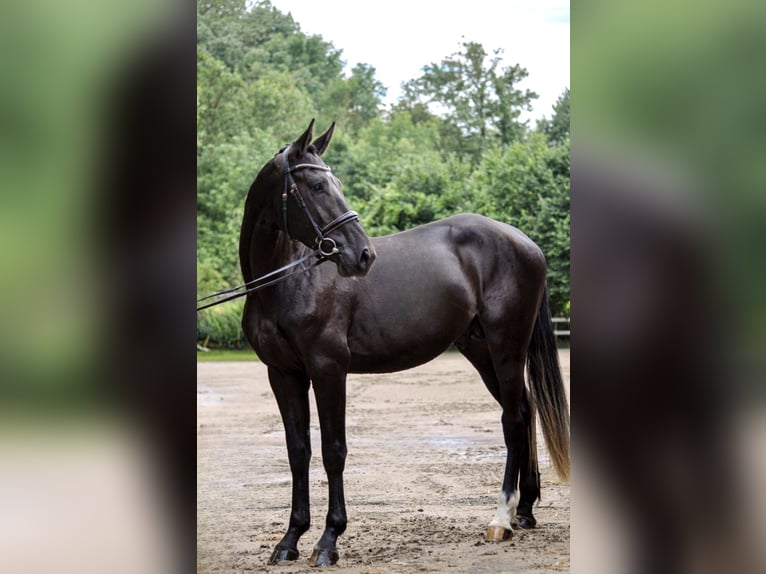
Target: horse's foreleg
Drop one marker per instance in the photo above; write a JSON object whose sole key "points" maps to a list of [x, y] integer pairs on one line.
{"points": [[291, 392], [331, 405]]}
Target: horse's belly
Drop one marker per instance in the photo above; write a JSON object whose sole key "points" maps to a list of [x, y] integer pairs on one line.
{"points": [[398, 325], [392, 363], [403, 343]]}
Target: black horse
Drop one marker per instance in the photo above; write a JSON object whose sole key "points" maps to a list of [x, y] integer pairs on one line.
{"points": [[386, 305]]}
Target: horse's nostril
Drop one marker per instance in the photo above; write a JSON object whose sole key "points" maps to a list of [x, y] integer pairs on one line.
{"points": [[364, 258]]}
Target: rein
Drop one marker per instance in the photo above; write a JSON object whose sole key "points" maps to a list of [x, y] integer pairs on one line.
{"points": [[325, 246], [255, 284]]}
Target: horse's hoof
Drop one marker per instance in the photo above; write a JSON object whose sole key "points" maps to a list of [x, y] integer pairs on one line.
{"points": [[324, 557], [525, 522], [281, 554], [498, 534]]}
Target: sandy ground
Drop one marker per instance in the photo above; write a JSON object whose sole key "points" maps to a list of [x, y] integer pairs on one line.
{"points": [[424, 468]]}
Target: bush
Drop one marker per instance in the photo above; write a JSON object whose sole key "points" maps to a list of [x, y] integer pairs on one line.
{"points": [[220, 327]]}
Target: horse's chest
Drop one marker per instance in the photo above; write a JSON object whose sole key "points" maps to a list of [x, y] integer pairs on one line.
{"points": [[272, 345]]}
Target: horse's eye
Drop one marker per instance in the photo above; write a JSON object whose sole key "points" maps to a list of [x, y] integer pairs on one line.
{"points": [[317, 188]]}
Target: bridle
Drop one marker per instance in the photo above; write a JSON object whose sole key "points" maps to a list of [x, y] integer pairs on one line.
{"points": [[325, 246]]}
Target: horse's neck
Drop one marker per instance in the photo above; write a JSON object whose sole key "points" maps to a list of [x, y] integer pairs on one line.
{"points": [[262, 245], [271, 250]]}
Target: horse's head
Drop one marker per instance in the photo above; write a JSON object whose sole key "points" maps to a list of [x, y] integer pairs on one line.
{"points": [[312, 208]]}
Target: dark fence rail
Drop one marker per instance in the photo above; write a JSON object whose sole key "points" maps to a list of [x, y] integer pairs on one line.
{"points": [[561, 327]]}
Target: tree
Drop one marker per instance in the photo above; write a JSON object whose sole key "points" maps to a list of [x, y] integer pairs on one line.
{"points": [[527, 185], [556, 129], [477, 97], [366, 94], [221, 97], [354, 101]]}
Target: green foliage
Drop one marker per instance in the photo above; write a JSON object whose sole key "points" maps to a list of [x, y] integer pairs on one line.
{"points": [[218, 327], [221, 96], [556, 129], [527, 185], [224, 174], [452, 144], [356, 100], [482, 100]]}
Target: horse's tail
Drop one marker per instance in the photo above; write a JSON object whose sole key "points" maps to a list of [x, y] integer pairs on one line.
{"points": [[548, 396]]}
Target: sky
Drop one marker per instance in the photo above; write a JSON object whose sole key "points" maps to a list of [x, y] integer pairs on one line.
{"points": [[399, 37]]}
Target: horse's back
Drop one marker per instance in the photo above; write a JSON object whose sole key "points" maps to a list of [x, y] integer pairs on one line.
{"points": [[483, 247], [464, 228]]}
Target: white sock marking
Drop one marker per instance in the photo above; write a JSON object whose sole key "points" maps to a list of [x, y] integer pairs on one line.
{"points": [[505, 510]]}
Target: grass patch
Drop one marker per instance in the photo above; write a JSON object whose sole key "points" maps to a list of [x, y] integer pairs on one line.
{"points": [[226, 355]]}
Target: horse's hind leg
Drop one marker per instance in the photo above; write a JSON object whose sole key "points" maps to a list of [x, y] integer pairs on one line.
{"points": [[510, 374], [529, 476], [503, 374], [291, 392]]}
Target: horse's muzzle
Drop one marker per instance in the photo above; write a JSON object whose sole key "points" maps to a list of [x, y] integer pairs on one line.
{"points": [[356, 264]]}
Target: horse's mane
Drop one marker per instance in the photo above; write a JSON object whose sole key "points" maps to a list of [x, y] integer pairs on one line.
{"points": [[253, 205]]}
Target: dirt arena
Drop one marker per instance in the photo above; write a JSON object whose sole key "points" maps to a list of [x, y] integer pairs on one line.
{"points": [[423, 472]]}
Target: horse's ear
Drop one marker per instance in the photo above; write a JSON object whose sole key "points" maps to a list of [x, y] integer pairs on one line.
{"points": [[300, 145], [323, 141]]}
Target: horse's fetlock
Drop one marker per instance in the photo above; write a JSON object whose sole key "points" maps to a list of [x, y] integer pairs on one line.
{"points": [[300, 524]]}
